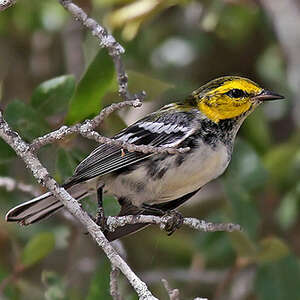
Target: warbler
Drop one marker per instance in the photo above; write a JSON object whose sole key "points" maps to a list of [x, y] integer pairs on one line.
{"points": [[207, 122]]}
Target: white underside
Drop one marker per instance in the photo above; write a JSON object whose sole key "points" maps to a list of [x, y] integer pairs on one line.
{"points": [[202, 166]]}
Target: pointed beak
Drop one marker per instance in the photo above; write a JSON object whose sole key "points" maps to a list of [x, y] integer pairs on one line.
{"points": [[266, 95]]}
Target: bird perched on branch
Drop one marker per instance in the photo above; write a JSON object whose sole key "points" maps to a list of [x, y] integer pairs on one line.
{"points": [[154, 184]]}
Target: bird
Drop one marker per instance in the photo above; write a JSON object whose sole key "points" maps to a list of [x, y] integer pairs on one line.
{"points": [[206, 122]]}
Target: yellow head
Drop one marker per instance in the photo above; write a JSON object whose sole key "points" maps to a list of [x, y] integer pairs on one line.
{"points": [[229, 97]]}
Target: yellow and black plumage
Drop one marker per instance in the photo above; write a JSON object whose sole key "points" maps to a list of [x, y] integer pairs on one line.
{"points": [[207, 122]]}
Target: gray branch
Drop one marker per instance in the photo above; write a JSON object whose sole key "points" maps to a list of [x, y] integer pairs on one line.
{"points": [[173, 293], [4, 4], [11, 184], [201, 225], [106, 40], [23, 150], [88, 125], [114, 288], [86, 130]]}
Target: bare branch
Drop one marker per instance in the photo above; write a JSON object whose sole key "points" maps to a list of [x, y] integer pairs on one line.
{"points": [[41, 174], [115, 50], [4, 4], [11, 184], [86, 130], [201, 225], [93, 135], [114, 289], [88, 125], [173, 294]]}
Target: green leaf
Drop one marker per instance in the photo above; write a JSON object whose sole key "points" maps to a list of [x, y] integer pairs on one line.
{"points": [[52, 96], [288, 210], [94, 84], [99, 286], [271, 249], [237, 23], [38, 248], [25, 119], [278, 280]]}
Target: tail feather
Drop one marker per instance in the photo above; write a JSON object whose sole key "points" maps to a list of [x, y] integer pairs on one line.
{"points": [[42, 206]]}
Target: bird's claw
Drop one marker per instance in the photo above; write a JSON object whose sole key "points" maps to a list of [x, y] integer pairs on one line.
{"points": [[174, 222], [100, 220]]}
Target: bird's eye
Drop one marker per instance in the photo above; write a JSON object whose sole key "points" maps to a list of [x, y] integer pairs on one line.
{"points": [[236, 93]]}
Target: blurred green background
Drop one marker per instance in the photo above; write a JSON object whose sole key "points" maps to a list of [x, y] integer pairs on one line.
{"points": [[52, 72]]}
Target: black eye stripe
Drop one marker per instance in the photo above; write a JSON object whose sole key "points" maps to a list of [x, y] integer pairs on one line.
{"points": [[236, 93]]}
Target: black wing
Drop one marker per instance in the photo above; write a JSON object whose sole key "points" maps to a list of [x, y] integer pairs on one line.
{"points": [[155, 130]]}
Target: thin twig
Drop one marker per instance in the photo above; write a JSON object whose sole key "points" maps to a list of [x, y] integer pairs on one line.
{"points": [[11, 184], [88, 125], [86, 130], [93, 135], [173, 293], [4, 4], [201, 225], [106, 40], [114, 288]]}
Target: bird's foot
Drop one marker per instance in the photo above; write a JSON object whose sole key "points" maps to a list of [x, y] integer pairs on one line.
{"points": [[175, 221], [100, 220]]}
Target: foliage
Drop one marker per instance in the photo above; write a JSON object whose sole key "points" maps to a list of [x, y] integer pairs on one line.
{"points": [[37, 248], [86, 102]]}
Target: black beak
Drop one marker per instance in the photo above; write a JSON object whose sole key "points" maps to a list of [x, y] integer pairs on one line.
{"points": [[266, 95]]}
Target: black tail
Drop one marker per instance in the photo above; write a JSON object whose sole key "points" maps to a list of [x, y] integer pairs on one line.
{"points": [[42, 206]]}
